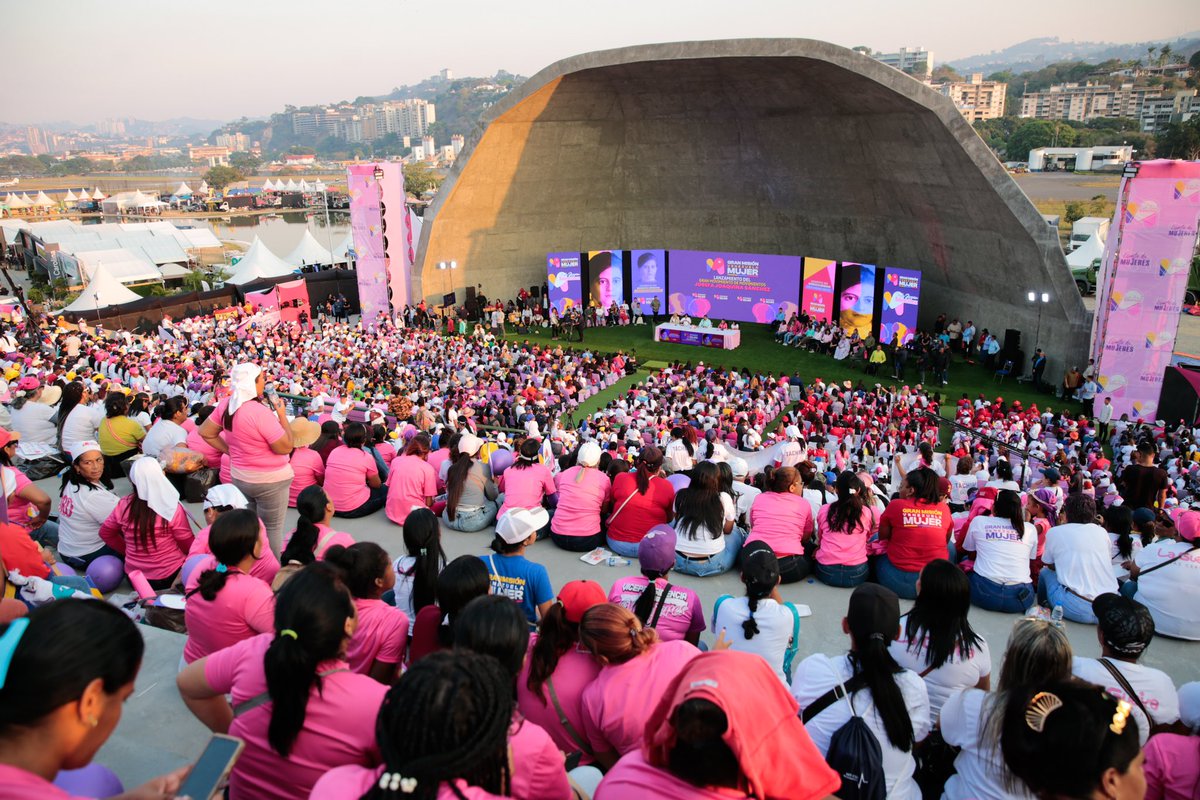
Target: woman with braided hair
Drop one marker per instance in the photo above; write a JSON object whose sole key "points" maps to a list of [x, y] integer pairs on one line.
{"points": [[761, 622], [443, 734]]}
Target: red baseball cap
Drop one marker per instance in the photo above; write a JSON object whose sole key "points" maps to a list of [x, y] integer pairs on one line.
{"points": [[578, 596]]}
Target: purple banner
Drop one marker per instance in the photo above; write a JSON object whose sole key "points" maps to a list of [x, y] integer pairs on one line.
{"points": [[901, 296], [696, 337], [366, 225], [649, 279], [856, 302], [564, 279], [736, 286]]}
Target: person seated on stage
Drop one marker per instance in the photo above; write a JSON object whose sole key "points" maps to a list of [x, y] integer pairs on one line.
{"points": [[735, 327], [705, 322], [684, 319], [723, 325], [675, 319]]}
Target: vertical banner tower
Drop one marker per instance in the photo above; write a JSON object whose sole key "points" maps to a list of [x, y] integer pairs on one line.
{"points": [[381, 230]]}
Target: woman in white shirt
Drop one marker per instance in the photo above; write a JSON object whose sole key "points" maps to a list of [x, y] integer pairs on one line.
{"points": [[760, 623], [1037, 652], [937, 641], [78, 420], [891, 700], [85, 501], [32, 417], [1003, 546], [169, 430], [417, 572], [708, 542]]}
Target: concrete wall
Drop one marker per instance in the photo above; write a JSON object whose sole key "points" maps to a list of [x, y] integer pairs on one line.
{"points": [[761, 146]]}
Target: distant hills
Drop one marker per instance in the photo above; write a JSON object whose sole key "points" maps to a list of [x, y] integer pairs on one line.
{"points": [[1034, 54]]}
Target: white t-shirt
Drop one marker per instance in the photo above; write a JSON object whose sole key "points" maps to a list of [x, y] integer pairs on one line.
{"points": [[1118, 559], [677, 456], [979, 770], [776, 623], [959, 486], [1001, 554], [1079, 553], [1172, 593], [700, 541], [162, 436], [404, 587], [957, 673], [789, 453], [81, 425], [81, 512], [819, 673], [36, 423], [1154, 688], [745, 497]]}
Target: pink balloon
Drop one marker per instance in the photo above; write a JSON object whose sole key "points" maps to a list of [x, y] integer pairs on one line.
{"points": [[500, 460], [679, 481]]}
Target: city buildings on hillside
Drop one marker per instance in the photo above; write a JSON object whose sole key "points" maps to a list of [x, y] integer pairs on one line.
{"points": [[208, 154], [917, 62], [977, 99], [1083, 102], [366, 122], [236, 142]]}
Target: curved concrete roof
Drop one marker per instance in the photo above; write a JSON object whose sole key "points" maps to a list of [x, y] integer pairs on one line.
{"points": [[790, 146]]}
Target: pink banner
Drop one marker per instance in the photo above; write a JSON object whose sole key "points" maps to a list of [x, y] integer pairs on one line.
{"points": [[293, 299], [1145, 277], [817, 294], [265, 300], [366, 225]]}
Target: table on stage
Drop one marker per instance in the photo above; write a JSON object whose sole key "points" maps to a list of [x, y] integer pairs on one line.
{"points": [[701, 337]]}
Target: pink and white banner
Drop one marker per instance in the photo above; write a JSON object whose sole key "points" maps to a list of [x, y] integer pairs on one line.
{"points": [[366, 225], [1142, 284]]}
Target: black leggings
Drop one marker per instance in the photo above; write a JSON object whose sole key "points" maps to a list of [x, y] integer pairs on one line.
{"points": [[578, 544], [793, 569]]}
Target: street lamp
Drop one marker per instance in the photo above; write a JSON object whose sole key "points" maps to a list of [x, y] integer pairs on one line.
{"points": [[1041, 299], [445, 267]]}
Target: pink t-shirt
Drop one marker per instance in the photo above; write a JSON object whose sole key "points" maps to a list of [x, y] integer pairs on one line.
{"points": [[327, 537], [623, 696], [539, 771], [17, 784], [574, 672], [169, 542], [249, 437], [244, 607], [780, 519], [212, 456], [346, 474], [381, 635], [352, 782], [435, 459], [582, 492], [387, 451], [309, 471], [264, 568], [339, 723], [18, 507], [410, 481], [633, 777], [681, 613], [525, 488], [841, 547], [1172, 766]]}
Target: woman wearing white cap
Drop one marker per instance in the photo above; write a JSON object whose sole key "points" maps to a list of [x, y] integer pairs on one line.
{"points": [[584, 493], [470, 492], [259, 444], [86, 500]]}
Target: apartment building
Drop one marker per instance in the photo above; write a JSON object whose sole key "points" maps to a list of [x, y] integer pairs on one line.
{"points": [[977, 99]]}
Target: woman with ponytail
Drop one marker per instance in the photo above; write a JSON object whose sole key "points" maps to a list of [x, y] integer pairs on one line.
{"points": [[443, 733], [557, 662], [844, 526], [463, 579], [296, 703], [470, 492], [641, 499], [675, 612], [761, 622], [1119, 521], [313, 536], [781, 518], [226, 603], [528, 483], [417, 572], [379, 641], [635, 669], [891, 700]]}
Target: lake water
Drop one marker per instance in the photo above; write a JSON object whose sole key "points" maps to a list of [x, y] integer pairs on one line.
{"points": [[282, 232]]}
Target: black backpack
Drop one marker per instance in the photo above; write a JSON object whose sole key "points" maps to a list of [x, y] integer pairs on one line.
{"points": [[854, 752]]}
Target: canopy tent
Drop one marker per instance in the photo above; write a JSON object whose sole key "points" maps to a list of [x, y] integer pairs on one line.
{"points": [[257, 264], [1086, 253], [183, 191], [172, 272], [342, 251], [203, 188], [103, 290], [304, 187], [16, 201], [26, 199], [267, 186], [70, 197], [319, 186], [43, 201], [97, 195], [291, 186], [123, 264], [309, 251]]}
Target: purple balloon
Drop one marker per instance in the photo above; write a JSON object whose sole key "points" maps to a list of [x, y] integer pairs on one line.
{"points": [[679, 481], [190, 565], [106, 572], [500, 460], [94, 780], [65, 569]]}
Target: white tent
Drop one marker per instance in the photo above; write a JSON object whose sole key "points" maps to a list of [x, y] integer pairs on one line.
{"points": [[309, 251], [43, 201], [319, 186], [97, 195], [183, 191], [26, 199], [304, 187], [341, 251], [125, 264], [203, 188], [267, 187], [16, 201], [103, 290], [291, 185], [1086, 253], [70, 197], [258, 263]]}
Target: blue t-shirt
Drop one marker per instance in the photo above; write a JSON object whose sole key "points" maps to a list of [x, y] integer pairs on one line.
{"points": [[521, 580]]}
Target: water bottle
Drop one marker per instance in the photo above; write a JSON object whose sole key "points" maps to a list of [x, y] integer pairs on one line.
{"points": [[1056, 617], [617, 561]]}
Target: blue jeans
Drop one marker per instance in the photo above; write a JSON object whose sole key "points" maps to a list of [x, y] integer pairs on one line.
{"points": [[1007, 598], [717, 564], [623, 549], [844, 576], [1052, 593], [475, 520], [903, 583], [46, 535], [81, 562]]}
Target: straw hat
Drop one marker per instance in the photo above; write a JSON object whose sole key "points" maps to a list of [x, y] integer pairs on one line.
{"points": [[304, 431], [51, 395]]}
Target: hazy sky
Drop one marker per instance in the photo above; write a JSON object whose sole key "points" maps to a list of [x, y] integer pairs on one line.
{"points": [[86, 60]]}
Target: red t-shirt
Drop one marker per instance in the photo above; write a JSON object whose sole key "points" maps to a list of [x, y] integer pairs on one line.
{"points": [[21, 554], [643, 511], [920, 532]]}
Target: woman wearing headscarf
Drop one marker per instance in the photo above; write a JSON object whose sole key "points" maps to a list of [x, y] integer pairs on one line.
{"points": [[724, 727], [259, 444], [149, 527]]}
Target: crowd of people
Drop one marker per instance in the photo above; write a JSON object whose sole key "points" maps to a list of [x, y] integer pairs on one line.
{"points": [[349, 671]]}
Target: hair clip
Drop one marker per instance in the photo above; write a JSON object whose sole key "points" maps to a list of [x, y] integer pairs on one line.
{"points": [[424, 552], [222, 568], [1120, 717], [1041, 706], [8, 645], [290, 633]]}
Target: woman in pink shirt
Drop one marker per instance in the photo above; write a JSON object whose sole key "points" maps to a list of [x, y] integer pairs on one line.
{"points": [[411, 483], [844, 527], [557, 664], [635, 670], [222, 498], [296, 703], [673, 611], [379, 641], [313, 536], [196, 442], [528, 483], [385, 449], [226, 603], [149, 527], [443, 730], [258, 445], [783, 519], [584, 494], [307, 465], [351, 476]]}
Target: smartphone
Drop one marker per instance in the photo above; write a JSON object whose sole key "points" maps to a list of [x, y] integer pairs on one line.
{"points": [[212, 768]]}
